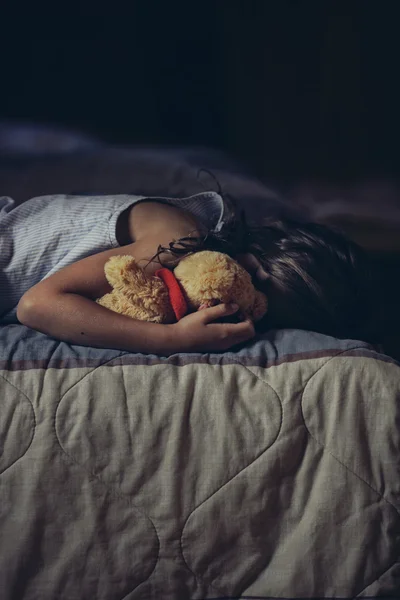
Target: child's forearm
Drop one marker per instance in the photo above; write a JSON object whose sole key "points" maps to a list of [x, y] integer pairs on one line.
{"points": [[78, 320]]}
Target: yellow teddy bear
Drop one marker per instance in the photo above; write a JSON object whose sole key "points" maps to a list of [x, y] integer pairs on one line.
{"points": [[200, 280]]}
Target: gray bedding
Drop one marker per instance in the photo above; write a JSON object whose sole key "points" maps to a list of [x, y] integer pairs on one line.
{"points": [[273, 471]]}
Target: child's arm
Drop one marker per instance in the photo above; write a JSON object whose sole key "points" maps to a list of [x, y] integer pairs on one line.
{"points": [[63, 307]]}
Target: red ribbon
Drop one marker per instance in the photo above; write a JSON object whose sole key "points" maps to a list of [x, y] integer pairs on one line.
{"points": [[177, 299]]}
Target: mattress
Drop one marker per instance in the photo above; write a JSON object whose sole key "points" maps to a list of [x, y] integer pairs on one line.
{"points": [[268, 472]]}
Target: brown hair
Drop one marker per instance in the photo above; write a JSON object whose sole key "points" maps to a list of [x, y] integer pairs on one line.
{"points": [[318, 279]]}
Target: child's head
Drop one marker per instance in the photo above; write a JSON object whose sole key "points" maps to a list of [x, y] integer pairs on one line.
{"points": [[318, 280]]}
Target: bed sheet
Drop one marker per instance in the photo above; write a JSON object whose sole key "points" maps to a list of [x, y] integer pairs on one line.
{"points": [[272, 471]]}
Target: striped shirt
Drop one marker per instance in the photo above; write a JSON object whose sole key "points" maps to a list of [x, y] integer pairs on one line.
{"points": [[48, 233]]}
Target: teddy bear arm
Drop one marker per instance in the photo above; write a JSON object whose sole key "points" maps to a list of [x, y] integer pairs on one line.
{"points": [[121, 304]]}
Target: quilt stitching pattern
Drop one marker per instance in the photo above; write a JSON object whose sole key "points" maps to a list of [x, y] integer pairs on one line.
{"points": [[111, 489], [124, 359], [33, 427], [211, 584], [343, 353]]}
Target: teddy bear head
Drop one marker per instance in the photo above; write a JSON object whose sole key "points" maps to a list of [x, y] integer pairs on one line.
{"points": [[209, 278]]}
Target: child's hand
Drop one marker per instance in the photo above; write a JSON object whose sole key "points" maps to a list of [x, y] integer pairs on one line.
{"points": [[199, 331]]}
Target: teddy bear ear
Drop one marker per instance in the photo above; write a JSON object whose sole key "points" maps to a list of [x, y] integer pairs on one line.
{"points": [[122, 271], [260, 306]]}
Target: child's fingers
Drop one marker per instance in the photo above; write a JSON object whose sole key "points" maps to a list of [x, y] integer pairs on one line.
{"points": [[243, 331], [217, 312], [199, 331], [232, 334]]}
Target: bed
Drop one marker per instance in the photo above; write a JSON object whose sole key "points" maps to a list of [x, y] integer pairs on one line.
{"points": [[268, 472]]}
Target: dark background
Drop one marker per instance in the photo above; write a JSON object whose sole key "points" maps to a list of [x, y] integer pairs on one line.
{"points": [[299, 91], [293, 88]]}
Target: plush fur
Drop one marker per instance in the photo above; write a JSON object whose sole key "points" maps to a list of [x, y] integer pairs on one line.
{"points": [[206, 278]]}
